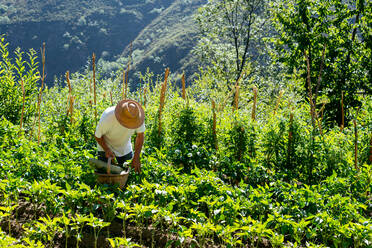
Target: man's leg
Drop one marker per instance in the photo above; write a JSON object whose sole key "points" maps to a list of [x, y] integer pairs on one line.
{"points": [[123, 159], [119, 160], [102, 156]]}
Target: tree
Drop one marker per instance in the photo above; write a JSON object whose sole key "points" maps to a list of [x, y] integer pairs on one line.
{"points": [[329, 41], [230, 30]]}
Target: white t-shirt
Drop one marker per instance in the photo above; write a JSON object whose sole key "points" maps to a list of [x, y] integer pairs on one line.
{"points": [[117, 137]]}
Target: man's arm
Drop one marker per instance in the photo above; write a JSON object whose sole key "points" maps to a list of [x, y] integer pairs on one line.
{"points": [[102, 143], [136, 162]]}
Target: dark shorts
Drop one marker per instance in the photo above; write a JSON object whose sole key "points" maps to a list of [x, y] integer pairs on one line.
{"points": [[119, 160]]}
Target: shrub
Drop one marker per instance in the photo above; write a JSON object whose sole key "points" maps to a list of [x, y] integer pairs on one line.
{"points": [[11, 74]]}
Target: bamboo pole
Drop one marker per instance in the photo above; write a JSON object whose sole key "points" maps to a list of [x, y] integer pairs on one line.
{"points": [[94, 86], [254, 103], [236, 98], [166, 77], [290, 138], [126, 82], [72, 100], [41, 91], [69, 92], [183, 87], [162, 99], [123, 79], [312, 107], [23, 106], [342, 112], [223, 103], [370, 150], [355, 145], [214, 127], [322, 111]]}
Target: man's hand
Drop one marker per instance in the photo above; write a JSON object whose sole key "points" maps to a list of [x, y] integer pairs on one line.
{"points": [[136, 163], [109, 154], [102, 143]]}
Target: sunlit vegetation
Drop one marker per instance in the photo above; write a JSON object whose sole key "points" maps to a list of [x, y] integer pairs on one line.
{"points": [[236, 159]]}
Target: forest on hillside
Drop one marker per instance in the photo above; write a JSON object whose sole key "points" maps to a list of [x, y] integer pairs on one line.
{"points": [[152, 34], [269, 144]]}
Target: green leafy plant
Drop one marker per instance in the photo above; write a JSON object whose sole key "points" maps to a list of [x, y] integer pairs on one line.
{"points": [[97, 224]]}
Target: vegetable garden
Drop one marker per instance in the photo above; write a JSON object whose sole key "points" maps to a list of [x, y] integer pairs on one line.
{"points": [[220, 168]]}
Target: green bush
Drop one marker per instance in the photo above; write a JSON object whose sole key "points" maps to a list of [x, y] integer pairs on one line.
{"points": [[12, 72]]}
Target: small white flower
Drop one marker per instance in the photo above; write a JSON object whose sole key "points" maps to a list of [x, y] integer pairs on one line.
{"points": [[194, 146], [189, 155], [177, 151], [198, 153]]}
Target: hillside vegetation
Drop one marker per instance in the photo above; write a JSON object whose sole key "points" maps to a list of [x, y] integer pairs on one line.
{"points": [[258, 174], [73, 30]]}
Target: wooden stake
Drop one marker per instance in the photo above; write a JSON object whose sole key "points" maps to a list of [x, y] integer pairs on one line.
{"points": [[94, 86], [370, 150], [342, 112], [355, 145], [23, 105], [236, 98], [123, 85], [72, 100], [41, 91], [69, 92], [312, 107], [223, 104], [322, 111], [290, 138], [162, 98], [183, 87], [126, 82], [166, 77], [214, 125], [254, 103]]}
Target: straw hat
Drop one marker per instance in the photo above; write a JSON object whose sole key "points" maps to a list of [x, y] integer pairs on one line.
{"points": [[130, 114]]}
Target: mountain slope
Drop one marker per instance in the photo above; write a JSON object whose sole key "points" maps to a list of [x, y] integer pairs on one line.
{"points": [[167, 41], [73, 30]]}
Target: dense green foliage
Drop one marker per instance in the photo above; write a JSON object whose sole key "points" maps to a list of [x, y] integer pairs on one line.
{"points": [[11, 93], [276, 180], [336, 37], [325, 45]]}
